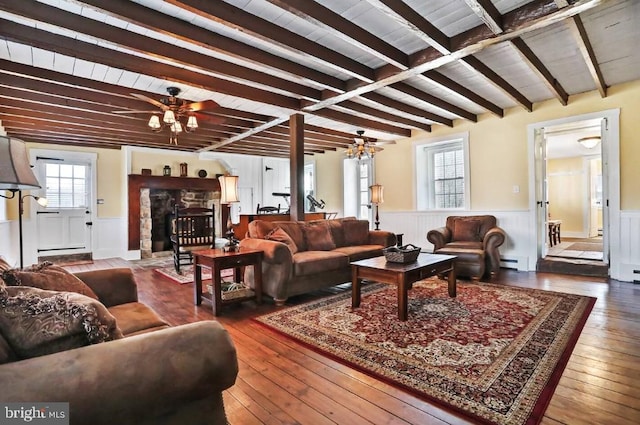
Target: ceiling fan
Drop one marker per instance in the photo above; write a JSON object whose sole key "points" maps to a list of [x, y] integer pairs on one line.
{"points": [[176, 114], [365, 147]]}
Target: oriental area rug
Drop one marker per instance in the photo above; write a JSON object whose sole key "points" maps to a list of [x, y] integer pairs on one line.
{"points": [[186, 276], [494, 353]]}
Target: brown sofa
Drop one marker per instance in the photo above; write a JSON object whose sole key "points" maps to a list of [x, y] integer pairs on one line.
{"points": [[300, 256], [474, 240], [156, 374]]}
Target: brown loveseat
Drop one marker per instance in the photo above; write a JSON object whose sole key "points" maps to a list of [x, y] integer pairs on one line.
{"points": [[474, 240], [155, 375], [304, 256]]}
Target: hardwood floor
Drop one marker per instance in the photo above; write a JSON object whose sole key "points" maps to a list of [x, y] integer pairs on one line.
{"points": [[281, 382]]}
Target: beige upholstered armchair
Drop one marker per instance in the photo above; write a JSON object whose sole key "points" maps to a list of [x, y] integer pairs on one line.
{"points": [[474, 240]]}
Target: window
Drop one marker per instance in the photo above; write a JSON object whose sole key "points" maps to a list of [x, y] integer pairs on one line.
{"points": [[66, 185], [442, 171], [358, 176]]}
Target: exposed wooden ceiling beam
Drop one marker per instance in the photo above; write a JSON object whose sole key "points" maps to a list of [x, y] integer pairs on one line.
{"points": [[458, 89], [581, 37], [488, 13], [491, 76], [93, 53], [340, 27], [404, 15], [178, 28], [276, 36], [536, 64]]}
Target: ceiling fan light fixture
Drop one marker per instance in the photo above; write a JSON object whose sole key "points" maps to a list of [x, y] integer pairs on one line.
{"points": [[154, 123], [176, 127], [362, 147], [169, 117], [589, 142], [192, 123]]}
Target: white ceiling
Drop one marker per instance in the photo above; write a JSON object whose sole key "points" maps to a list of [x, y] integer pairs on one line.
{"points": [[347, 43]]}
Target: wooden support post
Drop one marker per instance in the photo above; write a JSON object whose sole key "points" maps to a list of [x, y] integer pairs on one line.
{"points": [[296, 164]]}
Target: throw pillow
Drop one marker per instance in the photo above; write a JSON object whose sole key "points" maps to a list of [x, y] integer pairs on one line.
{"points": [[36, 322], [467, 230], [4, 266], [318, 237], [47, 276], [280, 235], [356, 232]]}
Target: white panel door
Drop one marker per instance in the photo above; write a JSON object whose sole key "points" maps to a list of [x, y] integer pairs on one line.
{"points": [[64, 226], [276, 180]]}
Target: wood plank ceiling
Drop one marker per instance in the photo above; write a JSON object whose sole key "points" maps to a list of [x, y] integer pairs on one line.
{"points": [[388, 67]]}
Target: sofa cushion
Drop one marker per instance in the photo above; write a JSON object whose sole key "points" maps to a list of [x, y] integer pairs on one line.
{"points": [[337, 231], [318, 237], [280, 235], [294, 230], [260, 228], [47, 276], [356, 232], [312, 262], [134, 318], [466, 229], [36, 322], [360, 252]]}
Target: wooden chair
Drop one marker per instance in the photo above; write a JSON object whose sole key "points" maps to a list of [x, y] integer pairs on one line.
{"points": [[191, 229], [268, 210]]}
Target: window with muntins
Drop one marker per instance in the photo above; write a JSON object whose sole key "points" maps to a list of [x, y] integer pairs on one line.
{"points": [[66, 185], [442, 170]]}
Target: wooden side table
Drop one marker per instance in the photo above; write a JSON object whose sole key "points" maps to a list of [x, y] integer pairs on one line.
{"points": [[218, 260], [554, 232]]}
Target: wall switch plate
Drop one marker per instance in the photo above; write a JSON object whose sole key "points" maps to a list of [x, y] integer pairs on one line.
{"points": [[516, 189]]}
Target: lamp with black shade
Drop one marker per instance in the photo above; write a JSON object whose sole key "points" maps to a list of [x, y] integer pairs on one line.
{"points": [[376, 199], [15, 176], [229, 195]]}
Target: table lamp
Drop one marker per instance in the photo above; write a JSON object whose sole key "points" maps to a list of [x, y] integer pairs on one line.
{"points": [[376, 199], [228, 195]]}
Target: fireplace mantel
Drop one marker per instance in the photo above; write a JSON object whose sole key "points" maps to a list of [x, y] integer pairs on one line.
{"points": [[137, 182]]}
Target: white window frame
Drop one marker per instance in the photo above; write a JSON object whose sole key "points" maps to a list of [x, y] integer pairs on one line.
{"points": [[423, 150], [352, 187]]}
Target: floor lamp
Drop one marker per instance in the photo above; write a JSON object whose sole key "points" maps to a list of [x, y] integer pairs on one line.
{"points": [[376, 199], [229, 195], [16, 175]]}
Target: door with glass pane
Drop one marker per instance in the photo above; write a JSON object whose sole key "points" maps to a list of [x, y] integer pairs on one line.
{"points": [[64, 226]]}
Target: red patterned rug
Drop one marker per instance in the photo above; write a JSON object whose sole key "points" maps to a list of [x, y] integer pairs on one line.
{"points": [[494, 353], [187, 274]]}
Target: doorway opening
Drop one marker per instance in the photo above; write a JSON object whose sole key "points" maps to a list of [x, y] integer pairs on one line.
{"points": [[574, 190], [571, 193]]}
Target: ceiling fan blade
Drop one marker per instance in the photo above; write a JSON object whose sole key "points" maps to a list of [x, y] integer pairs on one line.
{"points": [[209, 119], [199, 106], [150, 100], [384, 142]]}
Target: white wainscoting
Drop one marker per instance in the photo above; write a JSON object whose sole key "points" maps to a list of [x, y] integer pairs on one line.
{"points": [[9, 242], [624, 247], [625, 264], [415, 225], [110, 238]]}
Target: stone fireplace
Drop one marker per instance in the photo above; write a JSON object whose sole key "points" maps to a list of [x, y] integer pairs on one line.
{"points": [[151, 200], [156, 211]]}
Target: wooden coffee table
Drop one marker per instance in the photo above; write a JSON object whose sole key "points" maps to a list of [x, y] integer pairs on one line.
{"points": [[402, 274], [218, 260]]}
